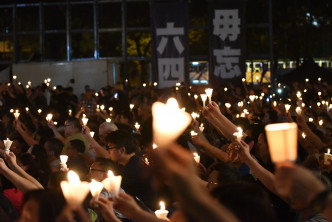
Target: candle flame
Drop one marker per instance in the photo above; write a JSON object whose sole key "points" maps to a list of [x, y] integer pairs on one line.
{"points": [[110, 174], [162, 205]]}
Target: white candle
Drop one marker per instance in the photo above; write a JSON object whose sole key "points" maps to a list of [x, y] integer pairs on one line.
{"points": [[303, 135], [318, 104], [287, 107], [201, 127], [14, 77], [228, 105], [96, 94], [311, 119], [162, 212], [144, 84], [137, 126], [194, 115], [7, 144], [168, 122], [92, 134], [108, 120], [155, 83], [49, 117], [110, 109], [16, 114], [55, 123], [70, 112], [327, 157], [252, 98], [282, 140], [197, 158], [238, 134], [298, 110], [154, 146], [27, 109], [298, 94], [85, 121], [196, 96], [146, 161], [131, 107], [74, 190], [63, 161], [102, 107], [193, 133], [39, 111], [112, 183], [203, 97], [320, 122], [95, 189], [209, 92]]}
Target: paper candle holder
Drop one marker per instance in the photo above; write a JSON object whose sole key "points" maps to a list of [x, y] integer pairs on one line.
{"points": [[169, 122], [112, 183], [95, 189], [282, 140], [162, 212]]}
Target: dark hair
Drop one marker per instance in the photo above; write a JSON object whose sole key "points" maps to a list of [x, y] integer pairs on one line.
{"points": [[75, 122], [126, 114], [106, 164], [227, 173], [50, 203], [122, 139], [247, 201], [55, 145], [77, 145]]}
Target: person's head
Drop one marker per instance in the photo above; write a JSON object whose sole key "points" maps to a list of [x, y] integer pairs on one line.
{"points": [[120, 144], [222, 174], [53, 148], [99, 169], [72, 126], [124, 117], [248, 202], [75, 147], [42, 205], [106, 128]]}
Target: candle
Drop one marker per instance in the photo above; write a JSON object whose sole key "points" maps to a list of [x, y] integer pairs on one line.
{"points": [[85, 121], [318, 104], [48, 79], [168, 122], [240, 104], [303, 135], [282, 140], [137, 126], [74, 190], [306, 80], [274, 103], [154, 146], [27, 109], [70, 112], [201, 127], [225, 89], [208, 92], [96, 94], [49, 117], [319, 93], [298, 94], [320, 122], [252, 98], [102, 107], [228, 105], [92, 134], [14, 77], [194, 115], [95, 189], [144, 84], [238, 134], [183, 109], [319, 79], [311, 119], [178, 84], [193, 133], [54, 87], [196, 96], [303, 104], [7, 144], [155, 83], [287, 107], [39, 111], [112, 183], [176, 88], [110, 109], [162, 212], [16, 114], [63, 161], [243, 79], [146, 161], [131, 107], [327, 157], [203, 97], [189, 94], [108, 120], [298, 110], [197, 158], [55, 123]]}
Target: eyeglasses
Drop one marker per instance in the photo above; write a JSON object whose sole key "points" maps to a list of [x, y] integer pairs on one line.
{"points": [[112, 147]]}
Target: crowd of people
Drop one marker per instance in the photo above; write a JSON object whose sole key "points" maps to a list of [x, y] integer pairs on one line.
{"points": [[232, 180]]}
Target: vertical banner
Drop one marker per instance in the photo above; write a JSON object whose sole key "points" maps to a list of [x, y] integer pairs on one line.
{"points": [[169, 42], [227, 46]]}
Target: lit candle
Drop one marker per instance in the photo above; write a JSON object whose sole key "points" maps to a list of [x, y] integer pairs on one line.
{"points": [[327, 157], [63, 162], [27, 109], [243, 79], [274, 103], [85, 121], [193, 133], [298, 110], [176, 88], [108, 120], [318, 104], [55, 123], [95, 189], [162, 212], [252, 98], [298, 94], [189, 94], [144, 84], [16, 114], [96, 94], [319, 93], [137, 126], [209, 92], [320, 122], [203, 97], [228, 105], [110, 109], [238, 134], [112, 183], [282, 140], [183, 109], [287, 107], [154, 146], [201, 127], [303, 105], [49, 117], [102, 107], [240, 104], [7, 144], [306, 80], [197, 158], [311, 119], [97, 108], [194, 115], [168, 122], [196, 96], [92, 134], [225, 89], [319, 79], [39, 111], [131, 107], [155, 83], [74, 190], [303, 135], [48, 79], [70, 112], [14, 77], [146, 161], [54, 87]]}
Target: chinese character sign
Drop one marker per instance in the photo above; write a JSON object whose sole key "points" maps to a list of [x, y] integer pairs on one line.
{"points": [[170, 49], [226, 40]]}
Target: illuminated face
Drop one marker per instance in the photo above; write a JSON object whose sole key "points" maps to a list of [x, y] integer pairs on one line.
{"points": [[114, 152]]}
